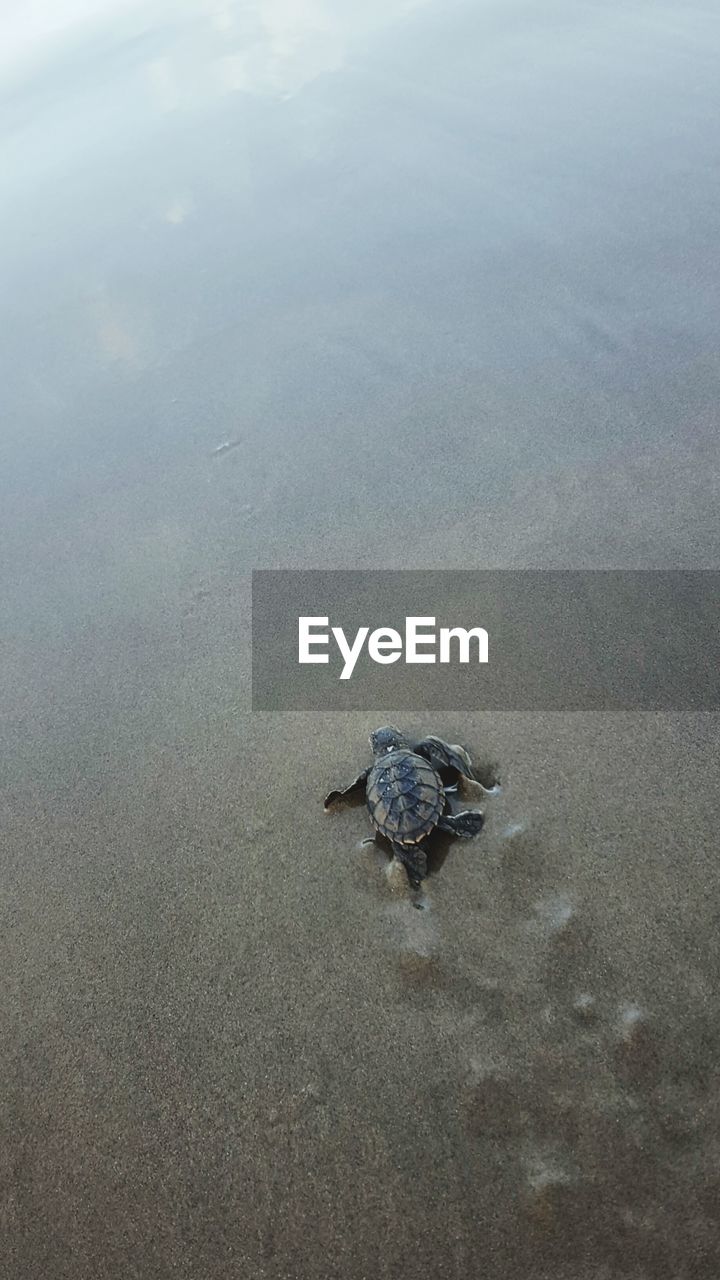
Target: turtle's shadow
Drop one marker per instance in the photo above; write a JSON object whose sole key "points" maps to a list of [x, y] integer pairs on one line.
{"points": [[437, 848], [486, 772]]}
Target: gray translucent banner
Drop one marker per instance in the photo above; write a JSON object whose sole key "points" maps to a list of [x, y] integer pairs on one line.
{"points": [[549, 640]]}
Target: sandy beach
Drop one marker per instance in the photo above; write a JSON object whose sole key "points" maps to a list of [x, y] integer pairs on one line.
{"points": [[429, 287]]}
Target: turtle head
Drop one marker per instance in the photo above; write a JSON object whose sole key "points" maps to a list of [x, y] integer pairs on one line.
{"points": [[387, 739]]}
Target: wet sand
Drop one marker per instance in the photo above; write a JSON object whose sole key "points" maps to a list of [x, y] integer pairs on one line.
{"points": [[229, 1043]]}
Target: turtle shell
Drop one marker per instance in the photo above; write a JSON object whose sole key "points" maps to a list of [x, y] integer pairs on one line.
{"points": [[405, 797]]}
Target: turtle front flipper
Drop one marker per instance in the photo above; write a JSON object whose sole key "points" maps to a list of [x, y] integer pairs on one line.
{"points": [[469, 823], [414, 860], [444, 756], [348, 791]]}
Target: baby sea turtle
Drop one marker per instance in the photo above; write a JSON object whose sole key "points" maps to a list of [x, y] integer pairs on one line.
{"points": [[406, 796]]}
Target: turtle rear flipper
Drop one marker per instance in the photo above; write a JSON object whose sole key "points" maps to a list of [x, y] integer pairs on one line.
{"points": [[346, 792], [414, 860], [467, 824]]}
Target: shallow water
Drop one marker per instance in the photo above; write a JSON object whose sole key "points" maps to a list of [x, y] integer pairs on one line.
{"points": [[434, 286]]}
